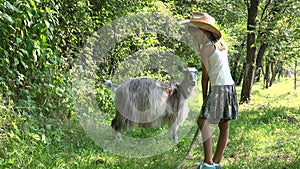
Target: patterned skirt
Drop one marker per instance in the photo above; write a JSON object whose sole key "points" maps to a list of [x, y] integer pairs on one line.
{"points": [[221, 104]]}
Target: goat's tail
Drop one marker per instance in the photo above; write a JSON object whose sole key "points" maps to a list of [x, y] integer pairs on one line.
{"points": [[110, 84]]}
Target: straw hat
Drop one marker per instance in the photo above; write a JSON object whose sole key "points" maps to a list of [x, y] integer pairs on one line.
{"points": [[203, 21]]}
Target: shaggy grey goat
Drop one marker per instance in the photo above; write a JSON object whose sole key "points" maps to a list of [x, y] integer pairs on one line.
{"points": [[146, 103]]}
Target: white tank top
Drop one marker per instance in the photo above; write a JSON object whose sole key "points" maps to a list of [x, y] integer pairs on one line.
{"points": [[218, 69]]}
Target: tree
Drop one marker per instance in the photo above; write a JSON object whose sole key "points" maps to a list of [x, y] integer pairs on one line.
{"points": [[295, 75], [269, 27], [251, 48], [270, 19]]}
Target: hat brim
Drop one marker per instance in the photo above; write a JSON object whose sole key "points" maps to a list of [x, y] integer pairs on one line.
{"points": [[204, 26]]}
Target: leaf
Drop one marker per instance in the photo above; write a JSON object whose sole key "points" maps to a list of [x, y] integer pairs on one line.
{"points": [[44, 138], [24, 52], [50, 86], [59, 92], [18, 40], [47, 23], [34, 54], [16, 62], [11, 161], [33, 4], [36, 136], [11, 7], [43, 38], [7, 17], [48, 127]]}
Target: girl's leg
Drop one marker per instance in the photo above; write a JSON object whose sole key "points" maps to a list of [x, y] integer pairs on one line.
{"points": [[222, 142], [207, 140]]}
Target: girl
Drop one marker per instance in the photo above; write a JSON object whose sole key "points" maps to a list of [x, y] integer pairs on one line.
{"points": [[220, 104]]}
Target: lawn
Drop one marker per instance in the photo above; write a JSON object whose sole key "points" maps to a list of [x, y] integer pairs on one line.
{"points": [[266, 135]]}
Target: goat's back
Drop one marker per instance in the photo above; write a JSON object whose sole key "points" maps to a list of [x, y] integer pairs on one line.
{"points": [[143, 100]]}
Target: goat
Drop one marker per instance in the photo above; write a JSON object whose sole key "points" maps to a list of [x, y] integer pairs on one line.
{"points": [[146, 103]]}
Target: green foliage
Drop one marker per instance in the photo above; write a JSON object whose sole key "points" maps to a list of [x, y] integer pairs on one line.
{"points": [[38, 41], [264, 136], [32, 65], [105, 100], [40, 44]]}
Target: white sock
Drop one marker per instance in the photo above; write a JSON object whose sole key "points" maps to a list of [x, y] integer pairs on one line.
{"points": [[207, 164]]}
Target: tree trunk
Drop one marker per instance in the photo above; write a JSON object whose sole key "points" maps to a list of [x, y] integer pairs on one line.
{"points": [[273, 69], [295, 75], [258, 74], [267, 74], [251, 48], [259, 60], [241, 75], [280, 70]]}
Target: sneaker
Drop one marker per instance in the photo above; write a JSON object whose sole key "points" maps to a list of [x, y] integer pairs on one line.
{"points": [[218, 166], [205, 166]]}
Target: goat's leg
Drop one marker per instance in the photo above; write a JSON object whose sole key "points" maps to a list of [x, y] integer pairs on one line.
{"points": [[116, 135], [116, 126], [173, 130]]}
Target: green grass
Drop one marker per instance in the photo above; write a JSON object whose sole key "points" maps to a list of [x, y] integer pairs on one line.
{"points": [[266, 135]]}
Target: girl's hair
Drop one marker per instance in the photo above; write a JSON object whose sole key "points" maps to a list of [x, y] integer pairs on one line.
{"points": [[217, 42], [221, 45]]}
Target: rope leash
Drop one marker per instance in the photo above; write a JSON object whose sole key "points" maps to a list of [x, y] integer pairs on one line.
{"points": [[189, 150]]}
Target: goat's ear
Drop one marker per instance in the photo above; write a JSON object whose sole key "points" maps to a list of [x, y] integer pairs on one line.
{"points": [[180, 68]]}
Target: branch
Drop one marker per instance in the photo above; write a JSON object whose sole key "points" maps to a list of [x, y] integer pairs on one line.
{"points": [[247, 4], [264, 10], [287, 5], [276, 9]]}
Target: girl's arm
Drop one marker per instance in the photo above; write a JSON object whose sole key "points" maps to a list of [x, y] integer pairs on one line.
{"points": [[204, 82], [205, 53]]}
